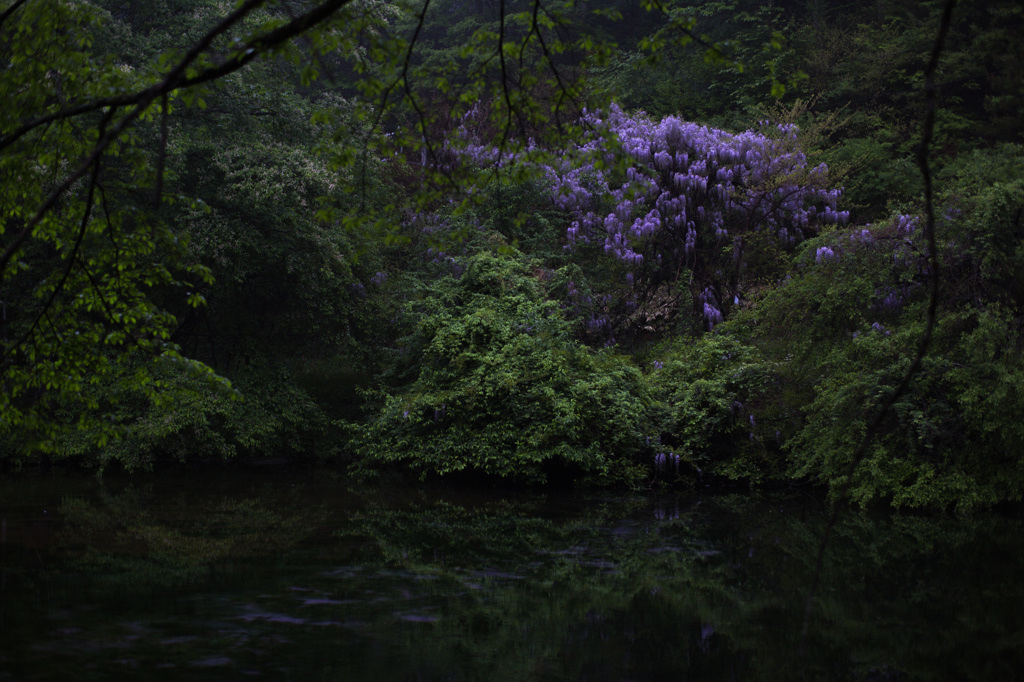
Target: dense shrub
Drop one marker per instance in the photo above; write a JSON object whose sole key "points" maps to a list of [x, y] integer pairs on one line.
{"points": [[710, 390], [847, 324], [267, 415], [497, 385]]}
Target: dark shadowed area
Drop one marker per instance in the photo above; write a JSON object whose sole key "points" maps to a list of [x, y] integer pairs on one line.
{"points": [[298, 576]]}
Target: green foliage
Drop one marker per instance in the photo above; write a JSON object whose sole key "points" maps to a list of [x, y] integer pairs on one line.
{"points": [[950, 441], [711, 389], [501, 388], [83, 257], [709, 61], [175, 206], [879, 180], [267, 416], [854, 381], [519, 209], [133, 194], [288, 281], [845, 327]]}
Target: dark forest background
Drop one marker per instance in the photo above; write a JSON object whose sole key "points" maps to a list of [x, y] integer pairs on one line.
{"points": [[358, 247]]}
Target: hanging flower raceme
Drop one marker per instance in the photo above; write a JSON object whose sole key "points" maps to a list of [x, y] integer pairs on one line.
{"points": [[824, 254], [712, 315], [685, 189], [664, 196]]}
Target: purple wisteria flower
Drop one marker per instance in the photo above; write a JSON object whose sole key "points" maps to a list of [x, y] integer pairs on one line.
{"points": [[686, 192], [690, 182], [661, 196], [661, 461], [906, 225], [863, 236], [712, 315]]}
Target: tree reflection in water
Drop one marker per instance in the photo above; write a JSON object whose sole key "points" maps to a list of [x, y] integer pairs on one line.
{"points": [[298, 576]]}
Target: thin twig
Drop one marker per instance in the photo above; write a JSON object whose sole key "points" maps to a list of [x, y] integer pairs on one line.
{"points": [[700, 40], [161, 156], [504, 80], [82, 229]]}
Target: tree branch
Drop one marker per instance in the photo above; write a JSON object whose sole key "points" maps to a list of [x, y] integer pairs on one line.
{"points": [[169, 83], [11, 10], [928, 130], [82, 229], [176, 79], [162, 155]]}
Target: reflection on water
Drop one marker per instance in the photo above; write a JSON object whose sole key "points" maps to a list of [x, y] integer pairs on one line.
{"points": [[300, 577]]}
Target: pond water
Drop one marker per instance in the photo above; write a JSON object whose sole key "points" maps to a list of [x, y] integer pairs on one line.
{"points": [[302, 576]]}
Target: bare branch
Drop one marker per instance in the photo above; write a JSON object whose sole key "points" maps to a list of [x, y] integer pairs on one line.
{"points": [[82, 229], [161, 155], [173, 79], [176, 79], [11, 10], [562, 89], [928, 130]]}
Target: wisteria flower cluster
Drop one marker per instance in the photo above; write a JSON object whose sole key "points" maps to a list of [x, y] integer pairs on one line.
{"points": [[666, 195], [687, 192], [662, 461], [897, 241]]}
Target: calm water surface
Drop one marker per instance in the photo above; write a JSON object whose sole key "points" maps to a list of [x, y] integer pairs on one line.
{"points": [[301, 576]]}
